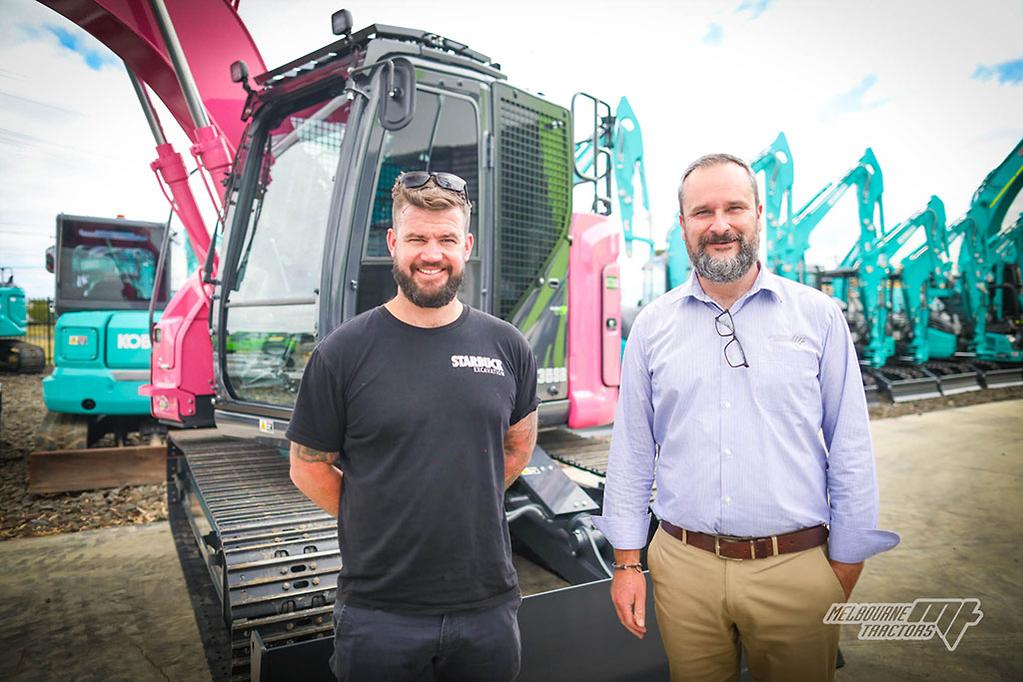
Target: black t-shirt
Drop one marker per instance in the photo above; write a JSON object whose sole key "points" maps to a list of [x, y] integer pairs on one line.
{"points": [[419, 416]]}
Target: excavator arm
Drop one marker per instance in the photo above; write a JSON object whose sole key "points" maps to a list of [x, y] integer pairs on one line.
{"points": [[923, 274], [211, 35], [182, 50], [776, 164], [867, 178]]}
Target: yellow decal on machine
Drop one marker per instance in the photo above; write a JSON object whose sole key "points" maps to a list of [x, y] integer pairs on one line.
{"points": [[266, 425]]}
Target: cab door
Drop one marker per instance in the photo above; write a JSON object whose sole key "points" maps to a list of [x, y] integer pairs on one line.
{"points": [[443, 136]]}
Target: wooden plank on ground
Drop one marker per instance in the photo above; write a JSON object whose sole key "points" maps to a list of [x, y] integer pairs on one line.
{"points": [[57, 471]]}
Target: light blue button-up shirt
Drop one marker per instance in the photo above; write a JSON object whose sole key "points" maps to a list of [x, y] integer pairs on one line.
{"points": [[781, 445]]}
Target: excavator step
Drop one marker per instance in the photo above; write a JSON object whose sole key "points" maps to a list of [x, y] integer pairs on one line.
{"points": [[271, 554]]}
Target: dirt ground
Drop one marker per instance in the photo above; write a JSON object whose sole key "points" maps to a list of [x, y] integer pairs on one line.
{"points": [[26, 515]]}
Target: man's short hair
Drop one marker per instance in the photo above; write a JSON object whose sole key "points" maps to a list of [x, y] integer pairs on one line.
{"points": [[430, 196], [708, 160]]}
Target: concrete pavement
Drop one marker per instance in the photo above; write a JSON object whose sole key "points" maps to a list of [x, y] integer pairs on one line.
{"points": [[112, 604]]}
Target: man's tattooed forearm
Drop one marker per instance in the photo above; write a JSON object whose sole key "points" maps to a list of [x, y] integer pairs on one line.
{"points": [[309, 455]]}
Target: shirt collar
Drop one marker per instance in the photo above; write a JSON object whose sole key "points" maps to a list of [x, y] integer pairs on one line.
{"points": [[692, 288]]}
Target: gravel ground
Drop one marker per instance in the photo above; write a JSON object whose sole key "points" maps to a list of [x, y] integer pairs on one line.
{"points": [[25, 515]]}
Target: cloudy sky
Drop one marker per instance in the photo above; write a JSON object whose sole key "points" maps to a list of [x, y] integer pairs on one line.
{"points": [[935, 88]]}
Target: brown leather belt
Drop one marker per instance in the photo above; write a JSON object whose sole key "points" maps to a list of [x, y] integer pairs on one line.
{"points": [[728, 547]]}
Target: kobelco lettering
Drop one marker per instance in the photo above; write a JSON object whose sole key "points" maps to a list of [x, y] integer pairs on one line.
{"points": [[133, 342]]}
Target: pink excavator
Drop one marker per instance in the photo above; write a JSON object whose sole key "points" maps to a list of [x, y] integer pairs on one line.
{"points": [[298, 162]]}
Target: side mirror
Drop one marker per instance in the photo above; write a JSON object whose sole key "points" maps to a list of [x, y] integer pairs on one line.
{"points": [[239, 72], [51, 258], [397, 82]]}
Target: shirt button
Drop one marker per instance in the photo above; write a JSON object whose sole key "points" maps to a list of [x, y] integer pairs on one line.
{"points": [[726, 404], [728, 500], [727, 452]]}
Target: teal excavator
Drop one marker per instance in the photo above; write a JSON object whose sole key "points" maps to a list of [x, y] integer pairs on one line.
{"points": [[788, 233], [16, 355], [925, 284], [990, 280], [1008, 248]]}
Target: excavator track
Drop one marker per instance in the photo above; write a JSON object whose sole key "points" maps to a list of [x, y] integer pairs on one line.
{"points": [[955, 377], [588, 454], [272, 555], [21, 357]]}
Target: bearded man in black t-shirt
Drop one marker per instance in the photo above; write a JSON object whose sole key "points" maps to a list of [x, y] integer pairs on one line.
{"points": [[423, 411]]}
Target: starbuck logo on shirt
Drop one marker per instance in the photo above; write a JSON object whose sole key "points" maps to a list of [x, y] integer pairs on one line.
{"points": [[479, 364]]}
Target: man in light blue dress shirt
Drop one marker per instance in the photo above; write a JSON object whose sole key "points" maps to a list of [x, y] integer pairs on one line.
{"points": [[742, 400]]}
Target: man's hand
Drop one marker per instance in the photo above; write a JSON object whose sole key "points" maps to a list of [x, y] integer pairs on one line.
{"points": [[519, 441], [847, 574], [628, 593]]}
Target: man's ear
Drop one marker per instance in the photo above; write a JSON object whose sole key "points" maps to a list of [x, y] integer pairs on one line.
{"points": [[392, 240], [469, 241]]}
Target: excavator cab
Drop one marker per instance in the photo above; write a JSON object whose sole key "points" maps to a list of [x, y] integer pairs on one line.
{"points": [[310, 207]]}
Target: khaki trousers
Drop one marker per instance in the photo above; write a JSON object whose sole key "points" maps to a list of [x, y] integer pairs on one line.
{"points": [[707, 605]]}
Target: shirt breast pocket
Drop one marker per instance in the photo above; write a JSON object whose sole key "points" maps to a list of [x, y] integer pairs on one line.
{"points": [[786, 380]]}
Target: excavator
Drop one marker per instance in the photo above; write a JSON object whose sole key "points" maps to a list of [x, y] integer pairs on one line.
{"points": [[994, 334], [965, 328], [106, 278], [299, 161], [914, 321], [924, 321], [896, 311], [788, 233], [16, 355]]}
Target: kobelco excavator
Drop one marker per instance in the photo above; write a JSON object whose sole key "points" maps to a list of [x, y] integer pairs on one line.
{"points": [[16, 355], [301, 159]]}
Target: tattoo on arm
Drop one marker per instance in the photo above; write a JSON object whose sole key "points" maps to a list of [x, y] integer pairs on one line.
{"points": [[519, 442], [307, 454]]}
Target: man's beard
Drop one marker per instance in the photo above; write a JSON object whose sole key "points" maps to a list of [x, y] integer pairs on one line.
{"points": [[724, 270], [427, 299]]}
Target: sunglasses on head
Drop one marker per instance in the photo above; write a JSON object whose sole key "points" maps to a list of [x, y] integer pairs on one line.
{"points": [[448, 181]]}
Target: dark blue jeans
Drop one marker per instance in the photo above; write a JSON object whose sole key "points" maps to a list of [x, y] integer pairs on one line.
{"points": [[465, 646]]}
